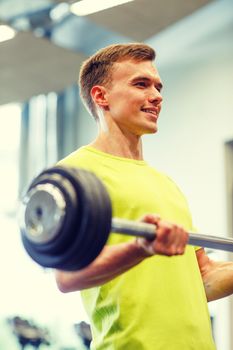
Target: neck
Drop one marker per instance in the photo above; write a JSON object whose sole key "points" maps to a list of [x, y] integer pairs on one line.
{"points": [[111, 139]]}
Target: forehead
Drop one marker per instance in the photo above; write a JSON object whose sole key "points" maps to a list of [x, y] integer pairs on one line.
{"points": [[130, 69]]}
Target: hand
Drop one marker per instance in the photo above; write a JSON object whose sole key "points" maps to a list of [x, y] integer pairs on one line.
{"points": [[171, 239]]}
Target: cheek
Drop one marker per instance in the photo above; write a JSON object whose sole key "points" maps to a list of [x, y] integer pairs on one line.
{"points": [[127, 101], [119, 101]]}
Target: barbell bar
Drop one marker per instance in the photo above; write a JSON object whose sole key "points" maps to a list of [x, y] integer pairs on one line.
{"points": [[148, 231], [66, 218]]}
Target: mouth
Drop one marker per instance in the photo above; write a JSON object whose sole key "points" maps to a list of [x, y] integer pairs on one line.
{"points": [[153, 112]]}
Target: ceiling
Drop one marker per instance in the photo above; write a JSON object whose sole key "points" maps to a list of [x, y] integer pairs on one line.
{"points": [[141, 19], [30, 66], [34, 62]]}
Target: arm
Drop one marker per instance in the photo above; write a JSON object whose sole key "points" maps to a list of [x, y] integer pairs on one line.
{"points": [[112, 261], [117, 259], [217, 276]]}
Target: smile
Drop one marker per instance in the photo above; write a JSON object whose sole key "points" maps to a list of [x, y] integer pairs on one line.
{"points": [[150, 111]]}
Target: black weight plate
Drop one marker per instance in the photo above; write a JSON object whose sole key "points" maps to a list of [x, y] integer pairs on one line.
{"points": [[80, 254], [92, 245], [71, 208], [64, 260], [47, 254], [105, 210], [102, 208], [87, 225], [83, 237]]}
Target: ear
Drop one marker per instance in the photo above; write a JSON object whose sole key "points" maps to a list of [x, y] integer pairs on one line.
{"points": [[99, 96]]}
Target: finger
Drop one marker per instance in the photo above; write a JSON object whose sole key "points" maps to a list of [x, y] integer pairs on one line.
{"points": [[151, 219], [171, 239], [163, 242], [180, 239]]}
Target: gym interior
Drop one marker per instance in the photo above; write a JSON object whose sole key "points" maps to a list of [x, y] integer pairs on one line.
{"points": [[42, 120]]}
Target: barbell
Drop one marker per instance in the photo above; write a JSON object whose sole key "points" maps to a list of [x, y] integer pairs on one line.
{"points": [[66, 218]]}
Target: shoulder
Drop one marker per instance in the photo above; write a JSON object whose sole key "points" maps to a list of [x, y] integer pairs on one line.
{"points": [[86, 158], [79, 157]]}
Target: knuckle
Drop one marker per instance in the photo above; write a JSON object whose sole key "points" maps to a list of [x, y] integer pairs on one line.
{"points": [[173, 250], [170, 252], [160, 249], [151, 218], [180, 251], [166, 229]]}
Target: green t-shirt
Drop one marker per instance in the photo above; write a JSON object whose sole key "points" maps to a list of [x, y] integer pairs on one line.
{"points": [[159, 304]]}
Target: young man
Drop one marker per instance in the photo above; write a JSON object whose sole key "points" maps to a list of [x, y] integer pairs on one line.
{"points": [[140, 294]]}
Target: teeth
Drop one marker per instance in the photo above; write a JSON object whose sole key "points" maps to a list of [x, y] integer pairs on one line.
{"points": [[149, 111]]}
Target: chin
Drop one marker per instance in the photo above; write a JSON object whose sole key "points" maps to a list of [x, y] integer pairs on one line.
{"points": [[151, 130], [146, 129], [148, 132]]}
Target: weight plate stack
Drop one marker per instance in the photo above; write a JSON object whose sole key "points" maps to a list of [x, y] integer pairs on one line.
{"points": [[66, 218]]}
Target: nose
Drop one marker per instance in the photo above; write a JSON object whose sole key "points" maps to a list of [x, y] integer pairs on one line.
{"points": [[155, 96]]}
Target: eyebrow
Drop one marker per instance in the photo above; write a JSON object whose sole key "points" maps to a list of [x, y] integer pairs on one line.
{"points": [[158, 84]]}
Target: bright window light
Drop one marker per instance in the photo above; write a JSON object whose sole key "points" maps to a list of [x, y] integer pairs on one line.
{"points": [[10, 127], [10, 124], [86, 7], [6, 33]]}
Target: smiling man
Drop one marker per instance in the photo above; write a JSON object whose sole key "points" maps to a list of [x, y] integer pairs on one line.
{"points": [[140, 294]]}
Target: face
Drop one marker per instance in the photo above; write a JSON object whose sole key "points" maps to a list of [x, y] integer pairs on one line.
{"points": [[134, 97]]}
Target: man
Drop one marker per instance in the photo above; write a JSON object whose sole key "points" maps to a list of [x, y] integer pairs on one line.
{"points": [[140, 294]]}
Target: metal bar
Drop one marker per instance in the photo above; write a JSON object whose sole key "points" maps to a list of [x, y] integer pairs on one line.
{"points": [[148, 231], [133, 228]]}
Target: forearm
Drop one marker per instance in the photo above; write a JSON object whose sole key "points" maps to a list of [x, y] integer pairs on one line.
{"points": [[113, 261], [218, 281]]}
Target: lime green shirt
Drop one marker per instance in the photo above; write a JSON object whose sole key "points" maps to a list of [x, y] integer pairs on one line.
{"points": [[159, 304]]}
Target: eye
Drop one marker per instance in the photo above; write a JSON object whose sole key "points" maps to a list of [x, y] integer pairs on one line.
{"points": [[140, 84], [158, 88]]}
